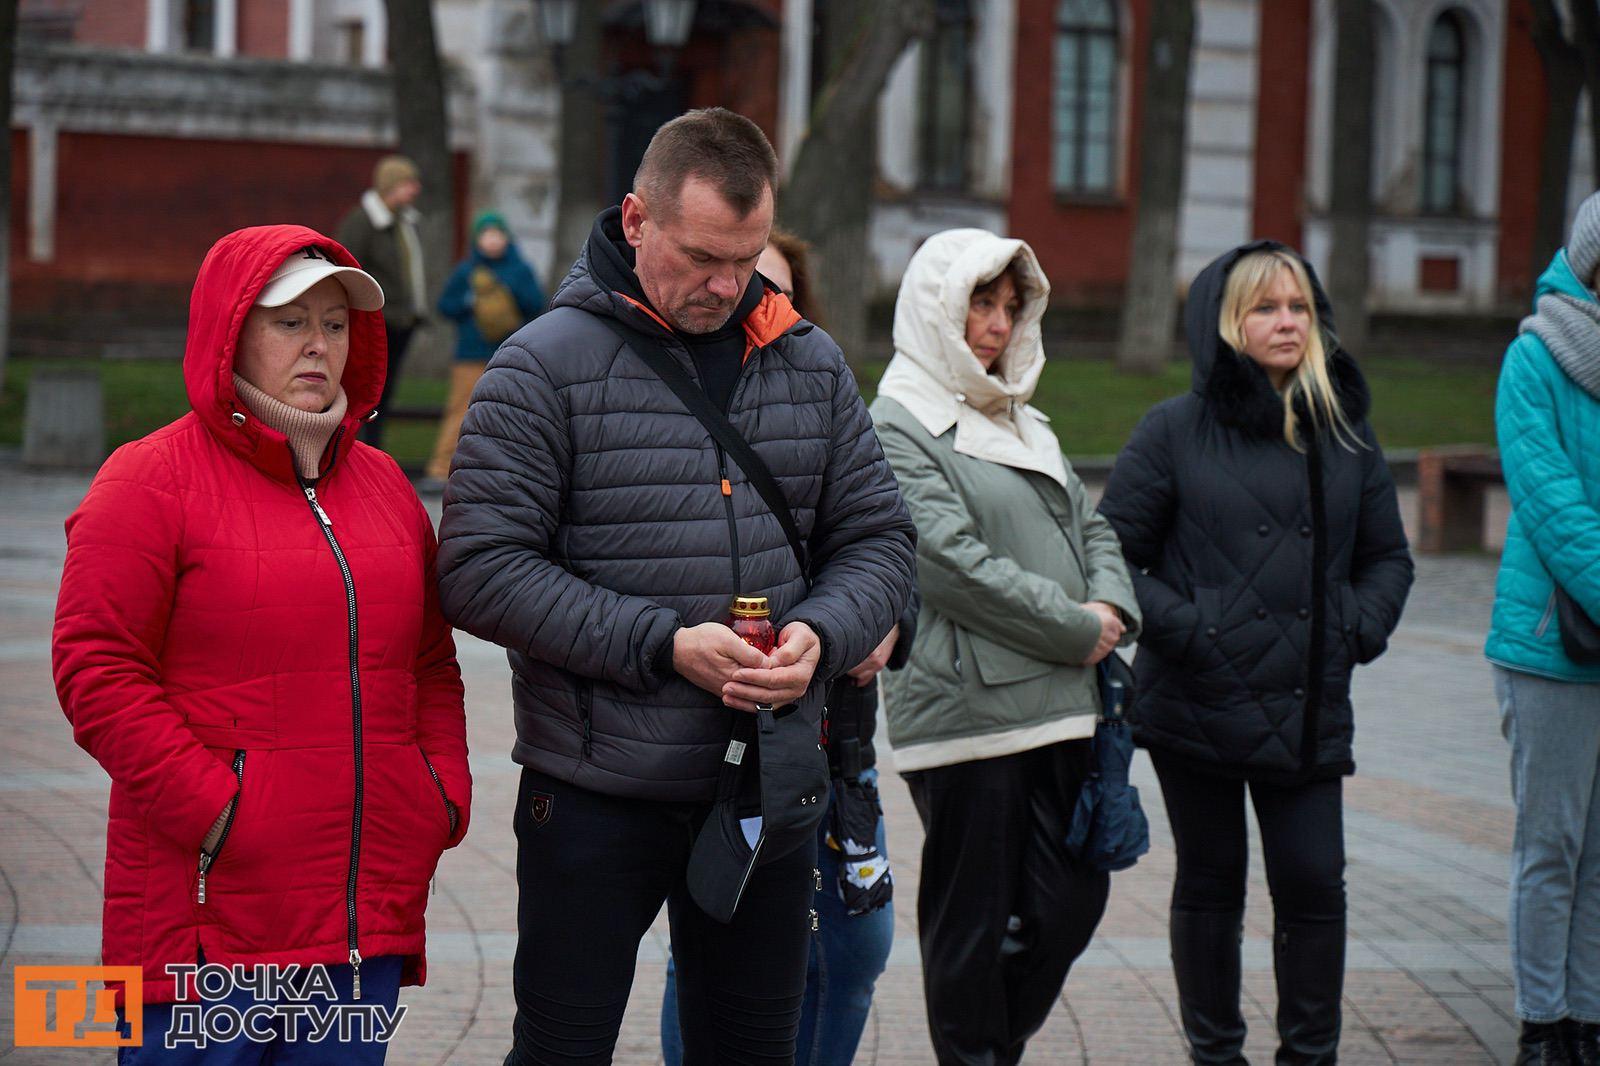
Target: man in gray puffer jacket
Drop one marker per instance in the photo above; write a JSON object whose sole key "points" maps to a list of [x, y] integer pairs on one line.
{"points": [[594, 529]]}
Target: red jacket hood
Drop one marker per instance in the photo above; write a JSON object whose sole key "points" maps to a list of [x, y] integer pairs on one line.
{"points": [[232, 275]]}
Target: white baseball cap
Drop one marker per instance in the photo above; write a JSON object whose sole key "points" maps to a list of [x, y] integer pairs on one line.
{"points": [[310, 265]]}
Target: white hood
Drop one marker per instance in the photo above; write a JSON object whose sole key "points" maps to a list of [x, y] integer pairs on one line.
{"points": [[936, 376]]}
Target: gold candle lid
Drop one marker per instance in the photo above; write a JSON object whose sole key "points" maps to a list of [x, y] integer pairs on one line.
{"points": [[751, 607]]}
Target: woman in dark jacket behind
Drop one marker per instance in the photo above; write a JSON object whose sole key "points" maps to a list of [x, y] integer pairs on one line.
{"points": [[1261, 525]]}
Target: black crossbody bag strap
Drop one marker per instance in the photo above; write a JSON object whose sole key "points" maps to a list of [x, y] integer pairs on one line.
{"points": [[692, 396]]}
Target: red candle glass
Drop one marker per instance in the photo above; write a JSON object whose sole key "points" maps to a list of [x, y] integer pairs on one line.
{"points": [[751, 621]]}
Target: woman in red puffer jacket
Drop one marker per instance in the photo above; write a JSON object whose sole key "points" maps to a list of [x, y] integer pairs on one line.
{"points": [[248, 639]]}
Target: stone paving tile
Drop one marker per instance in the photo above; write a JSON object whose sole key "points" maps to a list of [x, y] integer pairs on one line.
{"points": [[1427, 826]]}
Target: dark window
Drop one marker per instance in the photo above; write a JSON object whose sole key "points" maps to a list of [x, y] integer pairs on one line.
{"points": [[352, 37], [1441, 141], [641, 107], [1084, 97], [945, 84], [200, 25]]}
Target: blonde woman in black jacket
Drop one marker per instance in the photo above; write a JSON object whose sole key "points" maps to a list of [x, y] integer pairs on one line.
{"points": [[1260, 523]]}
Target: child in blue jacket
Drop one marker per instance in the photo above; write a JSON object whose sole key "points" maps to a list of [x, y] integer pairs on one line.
{"points": [[491, 294]]}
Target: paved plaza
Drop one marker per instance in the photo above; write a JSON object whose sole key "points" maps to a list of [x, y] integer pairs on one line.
{"points": [[1428, 831]]}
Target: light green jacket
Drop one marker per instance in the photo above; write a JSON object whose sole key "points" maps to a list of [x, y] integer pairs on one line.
{"points": [[1005, 557]]}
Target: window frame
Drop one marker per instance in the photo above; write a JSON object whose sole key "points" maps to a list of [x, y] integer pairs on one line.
{"points": [[1454, 161], [1082, 34], [193, 15], [952, 17]]}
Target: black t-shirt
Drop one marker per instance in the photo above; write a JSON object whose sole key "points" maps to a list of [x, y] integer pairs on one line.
{"points": [[719, 355]]}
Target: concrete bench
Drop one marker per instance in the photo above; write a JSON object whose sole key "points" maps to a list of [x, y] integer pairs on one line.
{"points": [[64, 425], [1452, 493]]}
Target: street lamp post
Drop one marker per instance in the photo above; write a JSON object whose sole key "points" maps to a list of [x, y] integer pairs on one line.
{"points": [[558, 20], [573, 29], [666, 22]]}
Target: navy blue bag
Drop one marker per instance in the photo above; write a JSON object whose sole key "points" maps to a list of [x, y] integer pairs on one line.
{"points": [[1109, 830]]}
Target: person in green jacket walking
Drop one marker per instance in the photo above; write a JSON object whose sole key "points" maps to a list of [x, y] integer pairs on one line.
{"points": [[1024, 591], [1547, 417]]}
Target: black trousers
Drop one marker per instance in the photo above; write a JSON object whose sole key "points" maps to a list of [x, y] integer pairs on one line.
{"points": [[398, 341], [1302, 842], [1003, 911], [592, 873]]}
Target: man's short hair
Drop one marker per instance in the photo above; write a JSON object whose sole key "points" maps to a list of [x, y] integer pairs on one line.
{"points": [[715, 145]]}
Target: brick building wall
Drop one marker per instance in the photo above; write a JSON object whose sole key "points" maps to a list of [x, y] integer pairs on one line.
{"points": [[1083, 244], [1522, 133], [140, 237], [120, 24], [264, 28], [128, 166], [1280, 158]]}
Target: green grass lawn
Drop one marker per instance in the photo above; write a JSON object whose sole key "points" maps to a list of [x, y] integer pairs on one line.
{"points": [[1091, 407]]}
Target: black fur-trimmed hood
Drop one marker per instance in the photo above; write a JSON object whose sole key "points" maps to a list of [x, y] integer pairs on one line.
{"points": [[1232, 385]]}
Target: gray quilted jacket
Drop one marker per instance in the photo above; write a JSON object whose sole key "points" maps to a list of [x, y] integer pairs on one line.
{"points": [[585, 522]]}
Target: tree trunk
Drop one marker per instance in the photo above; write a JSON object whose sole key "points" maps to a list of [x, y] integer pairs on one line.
{"points": [[1586, 39], [1563, 79], [583, 126], [423, 119], [1350, 205], [1144, 343], [828, 197], [8, 48]]}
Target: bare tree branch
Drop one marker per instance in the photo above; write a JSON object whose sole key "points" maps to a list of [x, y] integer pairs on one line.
{"points": [[583, 125], [423, 119], [1563, 78], [1350, 205], [1586, 38], [1145, 341], [828, 197], [8, 49]]}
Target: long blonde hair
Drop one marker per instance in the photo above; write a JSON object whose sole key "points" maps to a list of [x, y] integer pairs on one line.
{"points": [[1251, 276]]}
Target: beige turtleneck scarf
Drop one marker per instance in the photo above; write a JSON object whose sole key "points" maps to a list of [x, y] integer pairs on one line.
{"points": [[308, 431]]}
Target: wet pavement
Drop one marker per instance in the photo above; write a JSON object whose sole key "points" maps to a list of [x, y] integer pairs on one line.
{"points": [[1428, 833]]}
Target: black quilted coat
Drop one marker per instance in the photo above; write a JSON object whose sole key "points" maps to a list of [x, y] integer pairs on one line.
{"points": [[584, 523], [1264, 574]]}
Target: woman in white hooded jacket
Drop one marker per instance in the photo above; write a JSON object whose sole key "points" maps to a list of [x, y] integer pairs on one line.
{"points": [[1024, 591]]}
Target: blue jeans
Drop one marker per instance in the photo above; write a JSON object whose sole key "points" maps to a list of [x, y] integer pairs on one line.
{"points": [[847, 955], [1554, 730], [380, 986]]}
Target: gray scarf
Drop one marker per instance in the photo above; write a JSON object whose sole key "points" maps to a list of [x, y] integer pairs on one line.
{"points": [[1570, 328]]}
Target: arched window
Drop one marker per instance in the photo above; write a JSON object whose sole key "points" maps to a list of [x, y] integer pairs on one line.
{"points": [[1084, 97], [1444, 102], [945, 91]]}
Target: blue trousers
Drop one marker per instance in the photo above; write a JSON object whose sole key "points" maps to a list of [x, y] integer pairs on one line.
{"points": [[380, 986], [847, 955], [1554, 730]]}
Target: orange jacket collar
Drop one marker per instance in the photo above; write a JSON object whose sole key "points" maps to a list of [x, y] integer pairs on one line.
{"points": [[773, 317]]}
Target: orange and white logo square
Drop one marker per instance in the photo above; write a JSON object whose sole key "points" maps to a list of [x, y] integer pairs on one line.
{"points": [[71, 1006]]}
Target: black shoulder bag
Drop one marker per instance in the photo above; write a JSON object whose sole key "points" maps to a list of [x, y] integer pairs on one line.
{"points": [[1580, 637], [762, 815]]}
